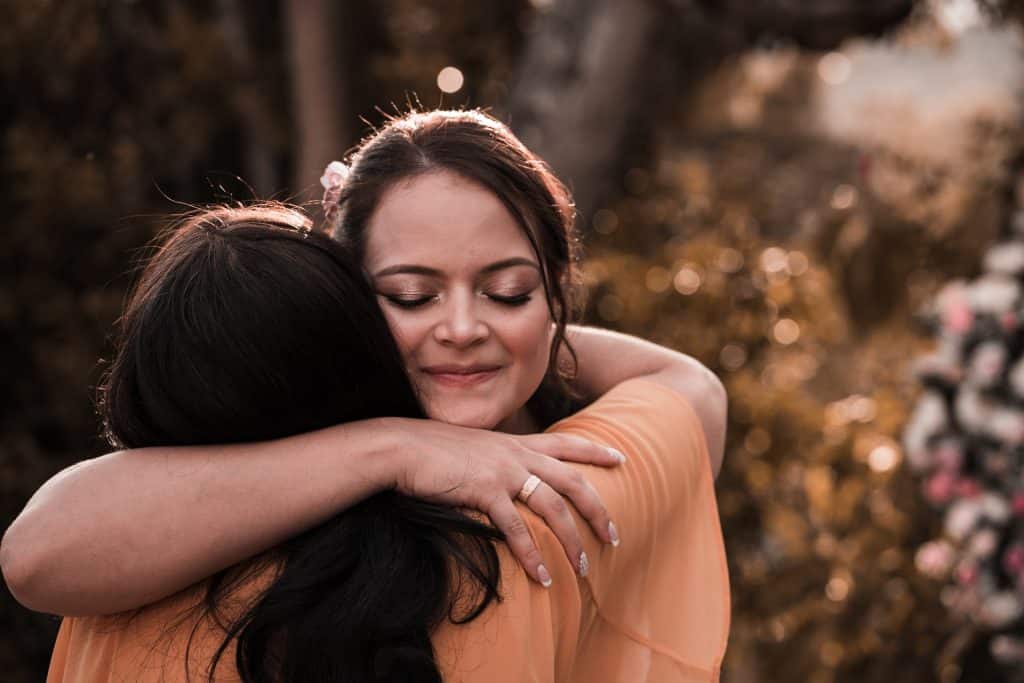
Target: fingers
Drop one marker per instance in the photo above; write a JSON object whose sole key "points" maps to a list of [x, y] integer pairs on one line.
{"points": [[547, 503], [574, 449], [562, 485], [570, 483], [506, 517]]}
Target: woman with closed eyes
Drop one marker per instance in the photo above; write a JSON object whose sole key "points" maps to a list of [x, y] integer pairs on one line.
{"points": [[464, 237]]}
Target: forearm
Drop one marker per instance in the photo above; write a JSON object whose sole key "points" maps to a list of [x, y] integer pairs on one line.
{"points": [[128, 528], [608, 358]]}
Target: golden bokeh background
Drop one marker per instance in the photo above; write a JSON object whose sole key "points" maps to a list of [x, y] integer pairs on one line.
{"points": [[780, 189]]}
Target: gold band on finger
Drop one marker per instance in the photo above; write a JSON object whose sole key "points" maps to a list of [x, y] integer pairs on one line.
{"points": [[532, 482]]}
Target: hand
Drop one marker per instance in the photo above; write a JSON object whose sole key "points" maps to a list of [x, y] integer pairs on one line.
{"points": [[485, 470]]}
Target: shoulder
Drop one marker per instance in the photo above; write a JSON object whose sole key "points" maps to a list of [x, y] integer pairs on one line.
{"points": [[647, 417], [531, 634], [175, 638], [706, 395], [690, 396]]}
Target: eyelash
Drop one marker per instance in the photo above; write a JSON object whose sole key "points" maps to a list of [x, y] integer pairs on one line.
{"points": [[512, 301], [517, 300]]}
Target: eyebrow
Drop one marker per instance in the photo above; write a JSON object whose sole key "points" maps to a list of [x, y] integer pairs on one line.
{"points": [[433, 272]]}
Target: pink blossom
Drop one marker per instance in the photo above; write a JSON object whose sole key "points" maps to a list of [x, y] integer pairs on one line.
{"points": [[966, 574], [958, 317], [1018, 504], [1013, 560], [967, 488], [934, 559], [949, 457], [983, 543], [987, 361], [1007, 649], [939, 488], [962, 517], [1000, 609], [334, 175]]}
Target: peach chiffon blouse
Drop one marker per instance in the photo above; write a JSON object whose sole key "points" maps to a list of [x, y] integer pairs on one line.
{"points": [[654, 609]]}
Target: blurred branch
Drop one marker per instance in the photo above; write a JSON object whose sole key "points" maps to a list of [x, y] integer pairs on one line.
{"points": [[820, 25], [575, 92], [595, 77]]}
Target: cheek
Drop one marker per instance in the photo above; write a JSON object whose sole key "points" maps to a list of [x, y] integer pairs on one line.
{"points": [[529, 340], [406, 332]]}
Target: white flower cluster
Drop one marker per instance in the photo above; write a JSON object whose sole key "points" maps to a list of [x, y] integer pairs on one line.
{"points": [[966, 439]]}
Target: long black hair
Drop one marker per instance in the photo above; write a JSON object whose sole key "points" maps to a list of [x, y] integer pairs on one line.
{"points": [[246, 326]]}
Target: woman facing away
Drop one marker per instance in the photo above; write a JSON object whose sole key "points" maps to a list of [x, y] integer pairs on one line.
{"points": [[216, 346], [466, 238]]}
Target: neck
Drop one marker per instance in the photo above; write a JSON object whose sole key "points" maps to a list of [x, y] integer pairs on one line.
{"points": [[519, 422]]}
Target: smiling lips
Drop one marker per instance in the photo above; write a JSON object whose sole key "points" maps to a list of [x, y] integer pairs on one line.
{"points": [[461, 375]]}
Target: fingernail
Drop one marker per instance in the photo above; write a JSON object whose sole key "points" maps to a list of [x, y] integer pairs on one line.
{"points": [[584, 564], [617, 455], [613, 533], [545, 578]]}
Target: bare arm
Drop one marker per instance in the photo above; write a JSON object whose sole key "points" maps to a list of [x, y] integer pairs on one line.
{"points": [[122, 530], [608, 358], [125, 529]]}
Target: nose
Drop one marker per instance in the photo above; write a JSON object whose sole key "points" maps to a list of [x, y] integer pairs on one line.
{"points": [[460, 325]]}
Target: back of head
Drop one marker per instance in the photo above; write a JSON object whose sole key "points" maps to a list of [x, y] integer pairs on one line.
{"points": [[247, 326]]}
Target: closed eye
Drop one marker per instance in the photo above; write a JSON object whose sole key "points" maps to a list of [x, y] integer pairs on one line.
{"points": [[518, 300], [409, 302]]}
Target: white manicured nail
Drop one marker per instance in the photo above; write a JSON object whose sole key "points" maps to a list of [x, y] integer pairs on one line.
{"points": [[617, 455], [613, 533], [545, 577], [584, 564]]}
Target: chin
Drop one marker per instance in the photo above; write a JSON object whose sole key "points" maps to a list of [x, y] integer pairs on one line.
{"points": [[477, 417]]}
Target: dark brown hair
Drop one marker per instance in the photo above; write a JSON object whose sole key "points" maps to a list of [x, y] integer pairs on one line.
{"points": [[483, 150], [246, 326]]}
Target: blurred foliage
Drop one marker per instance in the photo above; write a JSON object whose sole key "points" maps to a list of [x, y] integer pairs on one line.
{"points": [[787, 263], [819, 543]]}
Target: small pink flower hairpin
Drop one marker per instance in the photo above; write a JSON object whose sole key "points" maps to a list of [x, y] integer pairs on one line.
{"points": [[333, 179]]}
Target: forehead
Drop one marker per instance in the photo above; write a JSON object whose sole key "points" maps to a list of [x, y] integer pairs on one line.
{"points": [[443, 221]]}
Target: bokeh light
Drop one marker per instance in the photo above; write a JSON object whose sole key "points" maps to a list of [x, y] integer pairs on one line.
{"points": [[844, 197], [883, 458], [786, 331], [450, 79], [729, 260], [605, 221], [773, 260], [687, 280], [834, 68], [733, 356]]}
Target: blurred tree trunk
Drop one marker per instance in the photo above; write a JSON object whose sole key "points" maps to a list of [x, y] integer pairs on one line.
{"points": [[319, 83], [596, 76], [577, 90]]}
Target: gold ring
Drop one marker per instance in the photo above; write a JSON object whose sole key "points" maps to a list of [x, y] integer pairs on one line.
{"points": [[532, 482]]}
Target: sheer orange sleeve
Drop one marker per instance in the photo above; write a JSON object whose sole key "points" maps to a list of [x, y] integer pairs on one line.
{"points": [[654, 609]]}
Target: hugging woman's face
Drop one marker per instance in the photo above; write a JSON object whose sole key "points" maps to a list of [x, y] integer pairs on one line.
{"points": [[461, 287]]}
